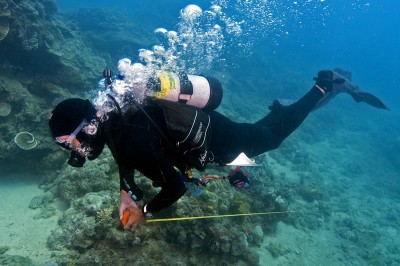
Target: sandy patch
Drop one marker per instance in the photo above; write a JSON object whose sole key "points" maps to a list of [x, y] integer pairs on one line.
{"points": [[23, 235], [291, 246]]}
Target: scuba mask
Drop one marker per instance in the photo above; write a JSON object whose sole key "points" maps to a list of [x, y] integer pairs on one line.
{"points": [[91, 140]]}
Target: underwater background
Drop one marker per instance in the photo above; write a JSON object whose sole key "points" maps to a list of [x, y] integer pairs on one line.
{"points": [[337, 177]]}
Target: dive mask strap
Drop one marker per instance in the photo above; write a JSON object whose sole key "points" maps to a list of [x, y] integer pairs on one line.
{"points": [[72, 136], [77, 130]]}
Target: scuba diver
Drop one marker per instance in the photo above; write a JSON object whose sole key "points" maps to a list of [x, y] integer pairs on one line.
{"points": [[164, 138]]}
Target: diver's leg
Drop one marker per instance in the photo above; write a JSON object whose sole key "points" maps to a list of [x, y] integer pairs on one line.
{"points": [[336, 81], [283, 120], [229, 138]]}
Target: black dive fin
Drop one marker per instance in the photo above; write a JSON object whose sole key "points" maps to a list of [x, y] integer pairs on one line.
{"points": [[360, 96]]}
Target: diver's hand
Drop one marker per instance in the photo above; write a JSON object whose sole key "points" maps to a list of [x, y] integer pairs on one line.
{"points": [[126, 202], [136, 217]]}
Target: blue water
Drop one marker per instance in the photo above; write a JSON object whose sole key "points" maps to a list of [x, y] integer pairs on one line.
{"points": [[349, 159], [356, 35]]}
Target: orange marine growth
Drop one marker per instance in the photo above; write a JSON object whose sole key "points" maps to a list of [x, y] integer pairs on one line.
{"points": [[125, 217]]}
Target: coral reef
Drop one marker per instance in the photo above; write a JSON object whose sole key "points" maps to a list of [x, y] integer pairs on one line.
{"points": [[309, 194], [15, 260], [5, 109], [43, 202], [43, 59], [3, 250], [4, 19], [70, 184], [277, 250], [90, 226], [25, 140]]}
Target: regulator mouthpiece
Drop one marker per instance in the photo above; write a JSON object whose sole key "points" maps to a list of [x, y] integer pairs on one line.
{"points": [[76, 159]]}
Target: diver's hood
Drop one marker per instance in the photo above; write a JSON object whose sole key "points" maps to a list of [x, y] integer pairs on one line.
{"points": [[68, 114], [96, 144]]}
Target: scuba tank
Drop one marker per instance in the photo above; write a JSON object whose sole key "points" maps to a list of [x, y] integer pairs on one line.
{"points": [[202, 92], [199, 91]]}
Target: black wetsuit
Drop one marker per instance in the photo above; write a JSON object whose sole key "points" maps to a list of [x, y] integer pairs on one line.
{"points": [[229, 138], [138, 145]]}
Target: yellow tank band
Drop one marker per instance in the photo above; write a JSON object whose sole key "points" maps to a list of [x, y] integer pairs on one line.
{"points": [[167, 82]]}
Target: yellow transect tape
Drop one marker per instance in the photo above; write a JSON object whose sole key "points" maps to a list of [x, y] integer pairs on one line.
{"points": [[213, 216]]}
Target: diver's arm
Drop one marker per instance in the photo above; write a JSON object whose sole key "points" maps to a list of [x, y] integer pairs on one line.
{"points": [[127, 183], [169, 194], [172, 186]]}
